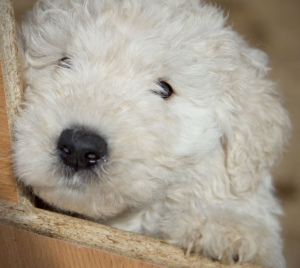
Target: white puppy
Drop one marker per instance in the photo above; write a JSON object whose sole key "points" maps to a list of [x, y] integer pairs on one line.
{"points": [[154, 117]]}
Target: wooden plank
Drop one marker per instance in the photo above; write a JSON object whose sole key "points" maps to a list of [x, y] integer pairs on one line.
{"points": [[8, 187], [100, 237], [9, 61], [22, 249], [10, 97]]}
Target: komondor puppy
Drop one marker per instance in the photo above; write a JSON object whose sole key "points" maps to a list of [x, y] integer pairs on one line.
{"points": [[155, 117]]}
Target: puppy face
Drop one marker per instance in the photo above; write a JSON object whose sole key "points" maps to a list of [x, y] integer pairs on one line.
{"points": [[141, 95]]}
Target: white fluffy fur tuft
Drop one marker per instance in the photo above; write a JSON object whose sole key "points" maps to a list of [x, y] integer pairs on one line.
{"points": [[194, 168]]}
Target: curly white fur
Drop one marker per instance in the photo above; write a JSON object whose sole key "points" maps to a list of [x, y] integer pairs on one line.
{"points": [[194, 168]]}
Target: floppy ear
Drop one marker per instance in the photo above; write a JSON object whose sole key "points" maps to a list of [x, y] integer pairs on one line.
{"points": [[257, 126]]}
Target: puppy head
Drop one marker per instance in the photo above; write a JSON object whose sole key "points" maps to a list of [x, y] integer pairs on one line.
{"points": [[162, 85]]}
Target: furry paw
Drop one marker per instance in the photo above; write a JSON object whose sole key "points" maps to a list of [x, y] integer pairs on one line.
{"points": [[224, 244], [229, 241]]}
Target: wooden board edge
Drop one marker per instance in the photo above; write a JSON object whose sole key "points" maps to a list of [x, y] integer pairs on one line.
{"points": [[25, 249], [12, 82], [94, 235], [9, 61]]}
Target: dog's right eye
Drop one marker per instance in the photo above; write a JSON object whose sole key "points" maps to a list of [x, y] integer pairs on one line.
{"points": [[65, 62], [166, 91]]}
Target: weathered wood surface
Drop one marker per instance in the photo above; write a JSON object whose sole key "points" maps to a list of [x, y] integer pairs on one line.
{"points": [[99, 237], [10, 98], [8, 188], [24, 249], [8, 53]]}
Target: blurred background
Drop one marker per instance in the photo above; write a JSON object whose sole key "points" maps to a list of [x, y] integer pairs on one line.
{"points": [[274, 27]]}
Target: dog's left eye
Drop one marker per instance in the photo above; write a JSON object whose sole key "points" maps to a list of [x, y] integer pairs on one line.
{"points": [[166, 91], [65, 62]]}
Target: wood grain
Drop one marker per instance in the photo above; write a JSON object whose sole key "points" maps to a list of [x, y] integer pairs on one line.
{"points": [[99, 237], [8, 188], [9, 61], [10, 98], [24, 249]]}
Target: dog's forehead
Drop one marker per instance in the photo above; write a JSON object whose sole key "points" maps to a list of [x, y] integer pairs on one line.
{"points": [[145, 32], [120, 35]]}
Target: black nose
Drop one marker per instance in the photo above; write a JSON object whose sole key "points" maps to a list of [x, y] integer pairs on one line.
{"points": [[81, 149]]}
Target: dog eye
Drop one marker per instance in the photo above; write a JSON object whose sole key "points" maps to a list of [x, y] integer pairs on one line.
{"points": [[65, 62], [167, 89]]}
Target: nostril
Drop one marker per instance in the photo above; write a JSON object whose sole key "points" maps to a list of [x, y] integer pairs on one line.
{"points": [[81, 149], [66, 150], [92, 158]]}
